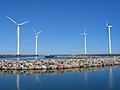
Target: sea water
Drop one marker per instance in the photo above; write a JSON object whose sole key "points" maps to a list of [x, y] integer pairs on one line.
{"points": [[80, 79]]}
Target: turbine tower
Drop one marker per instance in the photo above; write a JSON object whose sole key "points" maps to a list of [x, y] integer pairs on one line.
{"points": [[108, 27], [84, 34], [18, 32], [36, 40]]}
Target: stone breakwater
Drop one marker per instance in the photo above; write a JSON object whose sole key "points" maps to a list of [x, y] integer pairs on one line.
{"points": [[59, 64]]}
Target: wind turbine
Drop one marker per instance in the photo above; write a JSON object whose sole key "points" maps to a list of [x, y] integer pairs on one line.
{"points": [[18, 32], [84, 34], [108, 27], [36, 40]]}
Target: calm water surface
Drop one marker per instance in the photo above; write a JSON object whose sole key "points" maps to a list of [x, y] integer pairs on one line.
{"points": [[94, 79]]}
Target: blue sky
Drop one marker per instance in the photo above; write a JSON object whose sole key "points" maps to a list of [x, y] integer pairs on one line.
{"points": [[61, 22]]}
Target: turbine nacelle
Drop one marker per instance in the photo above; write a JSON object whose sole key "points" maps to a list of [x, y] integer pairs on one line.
{"points": [[108, 25], [38, 32], [84, 33]]}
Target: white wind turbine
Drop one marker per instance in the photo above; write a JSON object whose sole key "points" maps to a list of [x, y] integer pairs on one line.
{"points": [[84, 34], [36, 40], [18, 33], [108, 27]]}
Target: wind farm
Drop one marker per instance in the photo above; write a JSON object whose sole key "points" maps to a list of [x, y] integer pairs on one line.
{"points": [[59, 45], [36, 35], [65, 56], [84, 34]]}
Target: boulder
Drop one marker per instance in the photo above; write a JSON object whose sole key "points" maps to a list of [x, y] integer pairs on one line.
{"points": [[52, 67], [43, 67]]}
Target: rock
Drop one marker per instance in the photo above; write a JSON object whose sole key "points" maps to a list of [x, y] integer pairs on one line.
{"points": [[43, 67], [24, 68], [52, 67], [66, 66], [37, 67], [81, 64], [116, 63], [60, 66], [75, 65], [37, 63], [31, 67]]}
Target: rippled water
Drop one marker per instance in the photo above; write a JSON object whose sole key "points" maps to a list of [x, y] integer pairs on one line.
{"points": [[72, 79]]}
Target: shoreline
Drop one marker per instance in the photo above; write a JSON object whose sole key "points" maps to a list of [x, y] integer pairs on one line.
{"points": [[82, 62]]}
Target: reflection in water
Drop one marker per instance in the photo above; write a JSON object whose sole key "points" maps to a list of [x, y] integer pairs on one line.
{"points": [[17, 82], [110, 82], [37, 79], [86, 76], [17, 78], [52, 71], [37, 76]]}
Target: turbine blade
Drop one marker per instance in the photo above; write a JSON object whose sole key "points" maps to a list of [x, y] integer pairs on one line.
{"points": [[34, 30], [39, 32], [81, 34], [85, 31], [107, 24], [24, 23], [11, 20]]}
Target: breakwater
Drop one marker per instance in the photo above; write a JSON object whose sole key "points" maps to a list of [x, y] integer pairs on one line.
{"points": [[82, 62]]}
